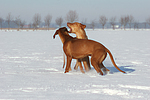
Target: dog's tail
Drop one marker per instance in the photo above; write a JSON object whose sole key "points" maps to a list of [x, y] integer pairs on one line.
{"points": [[112, 59]]}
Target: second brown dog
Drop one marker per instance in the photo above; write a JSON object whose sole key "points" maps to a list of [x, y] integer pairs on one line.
{"points": [[78, 29], [80, 48]]}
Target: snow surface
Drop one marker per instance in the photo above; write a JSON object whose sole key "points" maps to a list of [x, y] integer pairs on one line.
{"points": [[31, 67]]}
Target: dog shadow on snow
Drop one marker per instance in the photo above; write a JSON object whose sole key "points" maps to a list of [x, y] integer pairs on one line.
{"points": [[127, 69]]}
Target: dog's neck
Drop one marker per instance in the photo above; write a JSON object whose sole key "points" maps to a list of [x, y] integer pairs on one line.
{"points": [[64, 37], [81, 34]]}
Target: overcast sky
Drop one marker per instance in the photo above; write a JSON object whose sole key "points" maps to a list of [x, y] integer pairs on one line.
{"points": [[89, 9]]}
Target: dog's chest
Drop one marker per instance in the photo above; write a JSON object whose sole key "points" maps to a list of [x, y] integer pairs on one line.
{"points": [[66, 48]]}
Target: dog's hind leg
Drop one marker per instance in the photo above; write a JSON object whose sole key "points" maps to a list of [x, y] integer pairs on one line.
{"points": [[76, 65], [101, 65], [81, 68], [94, 63], [96, 67], [86, 63], [97, 58], [103, 68]]}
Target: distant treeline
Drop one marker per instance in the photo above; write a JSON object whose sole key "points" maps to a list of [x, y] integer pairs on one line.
{"points": [[124, 22]]}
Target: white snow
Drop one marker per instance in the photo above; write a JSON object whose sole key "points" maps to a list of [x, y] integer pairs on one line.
{"points": [[31, 67]]}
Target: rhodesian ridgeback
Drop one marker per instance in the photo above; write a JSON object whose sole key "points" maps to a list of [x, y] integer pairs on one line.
{"points": [[80, 48], [78, 29]]}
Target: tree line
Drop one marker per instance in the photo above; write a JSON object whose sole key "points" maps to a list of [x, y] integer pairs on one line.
{"points": [[72, 16]]}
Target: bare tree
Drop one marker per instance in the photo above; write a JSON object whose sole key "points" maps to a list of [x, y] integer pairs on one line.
{"points": [[93, 24], [1, 22], [126, 20], [9, 18], [59, 21], [17, 22], [36, 20], [103, 20], [121, 21], [71, 16], [22, 23], [47, 20], [113, 22], [34, 25], [131, 20]]}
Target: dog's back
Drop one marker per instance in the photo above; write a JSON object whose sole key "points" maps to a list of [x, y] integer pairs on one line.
{"points": [[80, 48]]}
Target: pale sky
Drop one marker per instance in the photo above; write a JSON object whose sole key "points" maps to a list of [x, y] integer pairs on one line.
{"points": [[89, 9]]}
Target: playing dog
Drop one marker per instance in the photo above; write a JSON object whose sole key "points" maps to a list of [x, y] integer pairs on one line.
{"points": [[80, 48], [78, 29]]}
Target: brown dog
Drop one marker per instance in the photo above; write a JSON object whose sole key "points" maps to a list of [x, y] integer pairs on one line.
{"points": [[80, 48], [78, 29]]}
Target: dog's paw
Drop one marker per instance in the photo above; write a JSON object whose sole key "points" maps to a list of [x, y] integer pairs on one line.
{"points": [[66, 71], [101, 73]]}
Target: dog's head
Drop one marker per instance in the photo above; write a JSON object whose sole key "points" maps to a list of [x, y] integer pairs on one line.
{"points": [[62, 30], [75, 27]]}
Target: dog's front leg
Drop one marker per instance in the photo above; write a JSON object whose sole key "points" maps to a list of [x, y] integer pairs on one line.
{"points": [[69, 59]]}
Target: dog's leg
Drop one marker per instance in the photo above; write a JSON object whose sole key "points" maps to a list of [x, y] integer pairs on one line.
{"points": [[95, 65], [81, 68], [64, 63], [77, 64], [69, 59], [86, 63], [103, 68], [64, 60], [97, 58], [101, 65]]}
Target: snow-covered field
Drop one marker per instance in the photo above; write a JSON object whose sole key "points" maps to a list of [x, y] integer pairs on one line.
{"points": [[31, 67]]}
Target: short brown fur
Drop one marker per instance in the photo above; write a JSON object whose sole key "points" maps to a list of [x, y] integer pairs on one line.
{"points": [[80, 48], [78, 29]]}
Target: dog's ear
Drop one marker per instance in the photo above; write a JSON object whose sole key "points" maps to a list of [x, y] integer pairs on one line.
{"points": [[83, 26], [55, 34]]}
